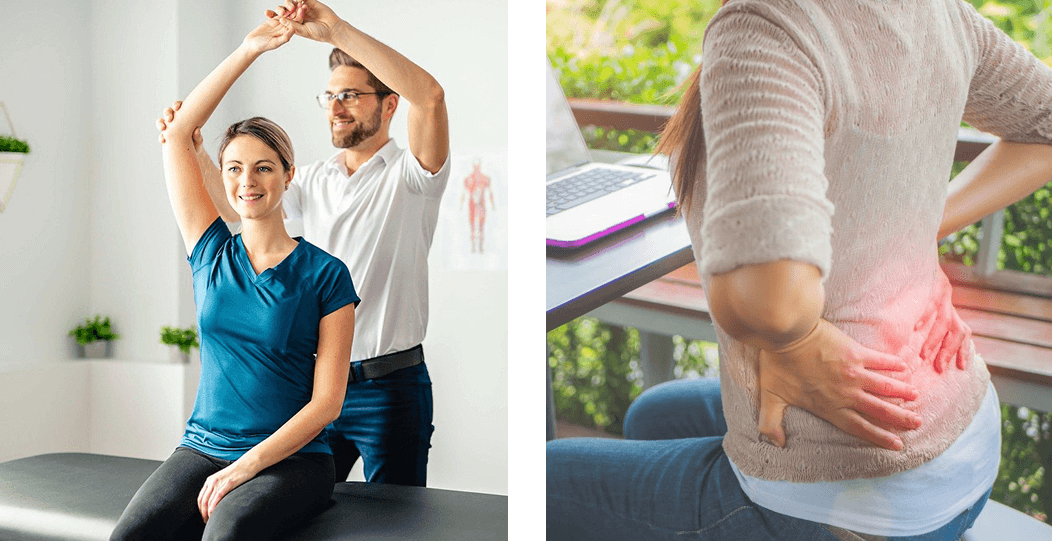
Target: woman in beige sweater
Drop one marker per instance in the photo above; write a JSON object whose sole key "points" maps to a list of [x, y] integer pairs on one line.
{"points": [[813, 187]]}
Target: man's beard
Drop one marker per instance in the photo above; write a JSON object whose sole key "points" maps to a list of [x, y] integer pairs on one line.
{"points": [[360, 133]]}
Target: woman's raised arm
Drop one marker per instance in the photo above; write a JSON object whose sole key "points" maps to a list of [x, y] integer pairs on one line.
{"points": [[194, 211]]}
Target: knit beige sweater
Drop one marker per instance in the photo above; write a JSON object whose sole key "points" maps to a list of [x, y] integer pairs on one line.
{"points": [[830, 132]]}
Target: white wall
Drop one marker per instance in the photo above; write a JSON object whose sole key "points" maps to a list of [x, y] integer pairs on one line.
{"points": [[45, 271], [135, 256], [92, 230], [43, 408], [126, 408]]}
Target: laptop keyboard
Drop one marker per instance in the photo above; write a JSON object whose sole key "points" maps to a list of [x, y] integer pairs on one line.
{"points": [[583, 187]]}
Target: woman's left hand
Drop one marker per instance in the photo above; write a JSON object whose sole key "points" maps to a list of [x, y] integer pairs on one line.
{"points": [[832, 376], [268, 36], [219, 484]]}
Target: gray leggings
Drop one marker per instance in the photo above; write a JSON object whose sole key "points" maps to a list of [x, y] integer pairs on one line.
{"points": [[265, 507]]}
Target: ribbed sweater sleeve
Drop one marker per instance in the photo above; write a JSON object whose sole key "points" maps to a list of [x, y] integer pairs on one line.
{"points": [[764, 131], [1011, 91]]}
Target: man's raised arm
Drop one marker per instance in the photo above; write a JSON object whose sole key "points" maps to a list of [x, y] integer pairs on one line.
{"points": [[427, 118]]}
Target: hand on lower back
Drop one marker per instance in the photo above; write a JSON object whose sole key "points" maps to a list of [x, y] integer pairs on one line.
{"points": [[837, 379], [949, 336]]}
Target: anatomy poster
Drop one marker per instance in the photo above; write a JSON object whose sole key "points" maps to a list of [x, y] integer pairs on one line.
{"points": [[472, 229]]}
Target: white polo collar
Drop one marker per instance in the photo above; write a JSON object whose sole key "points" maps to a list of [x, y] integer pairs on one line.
{"points": [[386, 153]]}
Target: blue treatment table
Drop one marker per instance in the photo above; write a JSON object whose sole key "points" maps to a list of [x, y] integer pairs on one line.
{"points": [[77, 496]]}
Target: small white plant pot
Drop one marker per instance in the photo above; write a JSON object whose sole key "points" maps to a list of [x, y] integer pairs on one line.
{"points": [[99, 349], [10, 168]]}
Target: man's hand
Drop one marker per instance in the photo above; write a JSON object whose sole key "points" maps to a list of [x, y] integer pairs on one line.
{"points": [[167, 116], [832, 376], [308, 18]]}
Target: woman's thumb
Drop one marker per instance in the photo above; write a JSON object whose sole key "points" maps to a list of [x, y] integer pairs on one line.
{"points": [[772, 411]]}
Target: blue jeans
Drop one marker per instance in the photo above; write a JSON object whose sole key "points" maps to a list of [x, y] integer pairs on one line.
{"points": [[387, 422], [670, 479]]}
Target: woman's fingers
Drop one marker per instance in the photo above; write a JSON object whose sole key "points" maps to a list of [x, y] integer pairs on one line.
{"points": [[881, 385], [876, 409], [855, 424], [876, 360], [953, 345], [213, 490], [203, 496], [290, 8], [943, 354], [965, 349], [218, 492]]}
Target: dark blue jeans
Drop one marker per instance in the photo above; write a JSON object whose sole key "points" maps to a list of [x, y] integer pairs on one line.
{"points": [[670, 479], [387, 422]]}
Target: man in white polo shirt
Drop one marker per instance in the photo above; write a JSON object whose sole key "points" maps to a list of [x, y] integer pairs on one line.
{"points": [[374, 206]]}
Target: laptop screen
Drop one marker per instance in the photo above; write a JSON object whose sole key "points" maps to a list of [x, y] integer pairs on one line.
{"points": [[565, 144]]}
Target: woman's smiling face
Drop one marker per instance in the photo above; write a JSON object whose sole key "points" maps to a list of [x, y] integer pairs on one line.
{"points": [[253, 177]]}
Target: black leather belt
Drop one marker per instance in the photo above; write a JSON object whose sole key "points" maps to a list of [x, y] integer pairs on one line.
{"points": [[378, 367]]}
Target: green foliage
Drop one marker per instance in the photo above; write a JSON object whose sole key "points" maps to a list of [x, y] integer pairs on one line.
{"points": [[10, 144], [1027, 21], [1027, 242], [1026, 461], [183, 338], [98, 328], [594, 373], [636, 75]]}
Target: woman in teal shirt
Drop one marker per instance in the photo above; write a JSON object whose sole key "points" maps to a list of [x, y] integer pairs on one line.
{"points": [[254, 460]]}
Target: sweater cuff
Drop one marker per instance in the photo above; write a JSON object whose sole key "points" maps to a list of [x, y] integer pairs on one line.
{"points": [[767, 228]]}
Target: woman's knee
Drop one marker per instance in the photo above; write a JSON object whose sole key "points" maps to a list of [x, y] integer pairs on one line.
{"points": [[224, 530], [126, 531], [677, 409]]}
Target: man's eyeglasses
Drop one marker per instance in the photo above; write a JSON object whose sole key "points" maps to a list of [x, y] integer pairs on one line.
{"points": [[348, 98]]}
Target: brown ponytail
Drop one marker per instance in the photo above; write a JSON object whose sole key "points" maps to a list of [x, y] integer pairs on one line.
{"points": [[683, 137]]}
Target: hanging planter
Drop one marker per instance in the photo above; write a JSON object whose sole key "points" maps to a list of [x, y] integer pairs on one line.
{"points": [[12, 155]]}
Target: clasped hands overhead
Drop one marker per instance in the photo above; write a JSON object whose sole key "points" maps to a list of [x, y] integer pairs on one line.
{"points": [[837, 379], [307, 18]]}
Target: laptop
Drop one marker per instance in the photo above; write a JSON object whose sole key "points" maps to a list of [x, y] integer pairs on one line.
{"points": [[587, 201]]}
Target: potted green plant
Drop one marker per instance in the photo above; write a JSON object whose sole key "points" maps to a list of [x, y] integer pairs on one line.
{"points": [[184, 339], [12, 145], [94, 338], [12, 154]]}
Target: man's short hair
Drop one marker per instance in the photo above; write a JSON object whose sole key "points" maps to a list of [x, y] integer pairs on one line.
{"points": [[339, 58]]}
